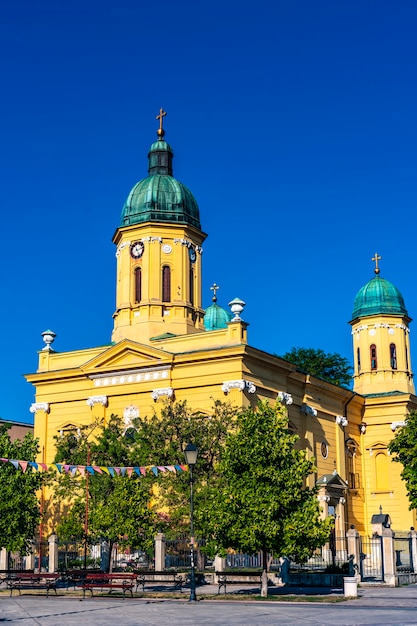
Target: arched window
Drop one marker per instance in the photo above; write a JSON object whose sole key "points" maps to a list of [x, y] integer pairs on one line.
{"points": [[352, 475], [406, 358], [393, 356], [358, 359], [138, 284], [374, 362], [166, 283], [381, 472], [191, 278]]}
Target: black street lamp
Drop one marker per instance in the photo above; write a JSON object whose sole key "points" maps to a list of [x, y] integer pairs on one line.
{"points": [[191, 453]]}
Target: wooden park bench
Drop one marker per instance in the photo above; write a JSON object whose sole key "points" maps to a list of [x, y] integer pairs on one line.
{"points": [[75, 577], [237, 578], [123, 581], [31, 581], [7, 574], [166, 577]]}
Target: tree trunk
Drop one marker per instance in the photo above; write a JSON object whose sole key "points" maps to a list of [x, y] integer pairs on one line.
{"points": [[264, 581], [111, 550]]}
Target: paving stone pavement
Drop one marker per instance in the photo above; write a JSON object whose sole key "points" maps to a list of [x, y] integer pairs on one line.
{"points": [[374, 606]]}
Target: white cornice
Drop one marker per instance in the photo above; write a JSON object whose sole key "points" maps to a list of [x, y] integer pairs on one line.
{"points": [[285, 398], [92, 400], [163, 391], [39, 406], [341, 420], [238, 384]]}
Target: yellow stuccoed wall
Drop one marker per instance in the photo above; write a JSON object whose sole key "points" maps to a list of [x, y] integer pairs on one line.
{"points": [[65, 381]]}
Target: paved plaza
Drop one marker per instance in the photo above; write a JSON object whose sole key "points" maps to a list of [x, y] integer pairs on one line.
{"points": [[374, 606]]}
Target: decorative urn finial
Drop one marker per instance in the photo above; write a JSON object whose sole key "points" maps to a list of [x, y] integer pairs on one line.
{"points": [[237, 305], [49, 338]]}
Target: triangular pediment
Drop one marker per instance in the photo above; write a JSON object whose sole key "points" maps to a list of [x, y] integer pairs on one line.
{"points": [[125, 355], [332, 480]]}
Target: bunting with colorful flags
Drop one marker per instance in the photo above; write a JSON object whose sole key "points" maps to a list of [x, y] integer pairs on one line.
{"points": [[63, 468]]}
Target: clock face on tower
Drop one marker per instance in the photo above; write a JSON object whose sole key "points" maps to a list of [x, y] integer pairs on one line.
{"points": [[192, 255], [136, 249]]}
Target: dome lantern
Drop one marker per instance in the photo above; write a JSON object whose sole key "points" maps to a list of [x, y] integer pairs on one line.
{"points": [[160, 197]]}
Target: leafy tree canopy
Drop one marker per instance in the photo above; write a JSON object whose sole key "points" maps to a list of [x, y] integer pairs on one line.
{"points": [[331, 367], [404, 450], [131, 510], [19, 505], [262, 502], [117, 507]]}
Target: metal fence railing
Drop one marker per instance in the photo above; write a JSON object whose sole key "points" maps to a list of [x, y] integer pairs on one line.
{"points": [[403, 553], [371, 564]]}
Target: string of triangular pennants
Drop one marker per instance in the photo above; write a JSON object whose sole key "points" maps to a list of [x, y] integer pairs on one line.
{"points": [[64, 468]]}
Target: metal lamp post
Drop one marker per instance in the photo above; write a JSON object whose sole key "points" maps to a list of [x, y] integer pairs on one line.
{"points": [[191, 453], [86, 508]]}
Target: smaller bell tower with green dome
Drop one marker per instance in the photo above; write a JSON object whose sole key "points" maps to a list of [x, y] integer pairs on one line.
{"points": [[381, 338], [159, 255]]}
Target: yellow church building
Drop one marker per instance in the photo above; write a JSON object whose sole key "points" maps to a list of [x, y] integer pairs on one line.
{"points": [[164, 345]]}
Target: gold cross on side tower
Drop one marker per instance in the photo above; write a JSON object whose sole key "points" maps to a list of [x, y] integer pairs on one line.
{"points": [[160, 132], [376, 258], [215, 288]]}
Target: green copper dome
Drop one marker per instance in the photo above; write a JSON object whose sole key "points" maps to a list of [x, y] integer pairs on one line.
{"points": [[160, 197], [216, 317], [378, 296]]}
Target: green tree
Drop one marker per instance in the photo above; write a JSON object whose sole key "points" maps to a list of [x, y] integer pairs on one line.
{"points": [[130, 510], [404, 450], [332, 367], [19, 504], [161, 440], [118, 507], [262, 502]]}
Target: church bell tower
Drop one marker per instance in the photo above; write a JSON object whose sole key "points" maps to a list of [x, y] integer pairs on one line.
{"points": [[381, 338], [159, 255]]}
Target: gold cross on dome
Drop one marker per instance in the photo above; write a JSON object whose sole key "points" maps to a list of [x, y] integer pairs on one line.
{"points": [[160, 117], [214, 288], [376, 258]]}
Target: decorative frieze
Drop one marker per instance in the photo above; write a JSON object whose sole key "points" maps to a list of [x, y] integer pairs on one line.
{"points": [[164, 391], [341, 420], [402, 327], [122, 245], [390, 327], [356, 331], [131, 376], [285, 398], [188, 244], [152, 239], [308, 410], [238, 384], [92, 400], [157, 239], [39, 406]]}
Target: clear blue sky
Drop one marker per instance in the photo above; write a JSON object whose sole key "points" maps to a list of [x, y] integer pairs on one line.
{"points": [[293, 123]]}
